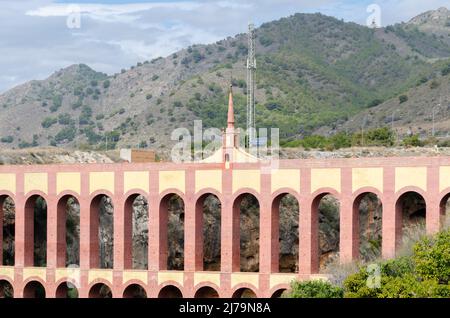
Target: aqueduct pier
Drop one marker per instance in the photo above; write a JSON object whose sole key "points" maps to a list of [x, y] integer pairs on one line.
{"points": [[308, 180]]}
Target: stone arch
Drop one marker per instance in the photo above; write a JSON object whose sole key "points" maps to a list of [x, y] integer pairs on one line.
{"points": [[35, 221], [171, 231], [100, 289], [325, 224], [170, 290], [285, 216], [6, 288], [246, 231], [68, 230], [34, 289], [101, 230], [244, 291], [410, 216], [278, 293], [136, 231], [134, 290], [208, 213], [206, 292], [7, 229], [66, 289], [367, 224], [444, 209]]}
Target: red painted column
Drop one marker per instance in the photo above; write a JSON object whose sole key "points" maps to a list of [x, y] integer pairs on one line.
{"points": [[308, 226], [389, 216], [349, 222], [265, 234], [52, 223], [227, 242], [119, 221], [19, 239], [85, 223], [265, 225], [433, 210], [155, 259], [191, 231], [229, 250]]}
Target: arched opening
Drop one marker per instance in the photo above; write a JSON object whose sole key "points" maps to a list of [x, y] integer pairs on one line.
{"points": [[35, 231], [7, 230], [206, 292], [170, 292], [246, 233], [325, 222], [100, 290], [34, 289], [6, 289], [102, 232], [244, 293], [278, 293], [134, 291], [410, 216], [208, 218], [285, 237], [68, 237], [171, 218], [445, 212], [66, 290], [367, 212], [136, 232]]}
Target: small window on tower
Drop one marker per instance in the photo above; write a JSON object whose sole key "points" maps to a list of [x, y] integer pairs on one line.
{"points": [[227, 157]]}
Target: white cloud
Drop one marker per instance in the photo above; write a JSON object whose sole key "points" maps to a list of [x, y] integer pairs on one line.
{"points": [[35, 41]]}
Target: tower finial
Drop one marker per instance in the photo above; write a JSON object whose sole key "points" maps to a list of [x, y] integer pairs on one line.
{"points": [[230, 120]]}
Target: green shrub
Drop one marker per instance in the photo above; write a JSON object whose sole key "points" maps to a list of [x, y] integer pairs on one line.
{"points": [[48, 122], [403, 99], [7, 139], [432, 257], [65, 119], [375, 102], [446, 70], [424, 274], [315, 289], [412, 141]]}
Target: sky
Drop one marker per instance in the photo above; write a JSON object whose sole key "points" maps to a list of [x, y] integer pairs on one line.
{"points": [[39, 37]]}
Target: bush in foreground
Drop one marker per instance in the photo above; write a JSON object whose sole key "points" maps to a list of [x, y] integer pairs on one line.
{"points": [[424, 273], [315, 289]]}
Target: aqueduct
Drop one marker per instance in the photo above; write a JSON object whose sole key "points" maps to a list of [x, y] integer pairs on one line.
{"points": [[227, 178]]}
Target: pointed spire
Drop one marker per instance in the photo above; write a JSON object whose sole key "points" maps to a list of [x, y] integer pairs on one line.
{"points": [[230, 109]]}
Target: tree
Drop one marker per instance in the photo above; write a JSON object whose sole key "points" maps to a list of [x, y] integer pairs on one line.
{"points": [[424, 274], [106, 84], [315, 289], [403, 99]]}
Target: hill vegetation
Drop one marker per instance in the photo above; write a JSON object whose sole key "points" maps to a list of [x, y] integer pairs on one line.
{"points": [[315, 73]]}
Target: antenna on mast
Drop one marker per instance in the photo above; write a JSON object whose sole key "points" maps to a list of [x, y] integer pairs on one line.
{"points": [[251, 70]]}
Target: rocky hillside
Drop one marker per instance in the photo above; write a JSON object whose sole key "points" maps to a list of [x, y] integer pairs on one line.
{"points": [[416, 111], [313, 71]]}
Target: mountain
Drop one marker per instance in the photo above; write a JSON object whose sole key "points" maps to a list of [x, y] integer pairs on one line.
{"points": [[409, 113], [314, 74]]}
